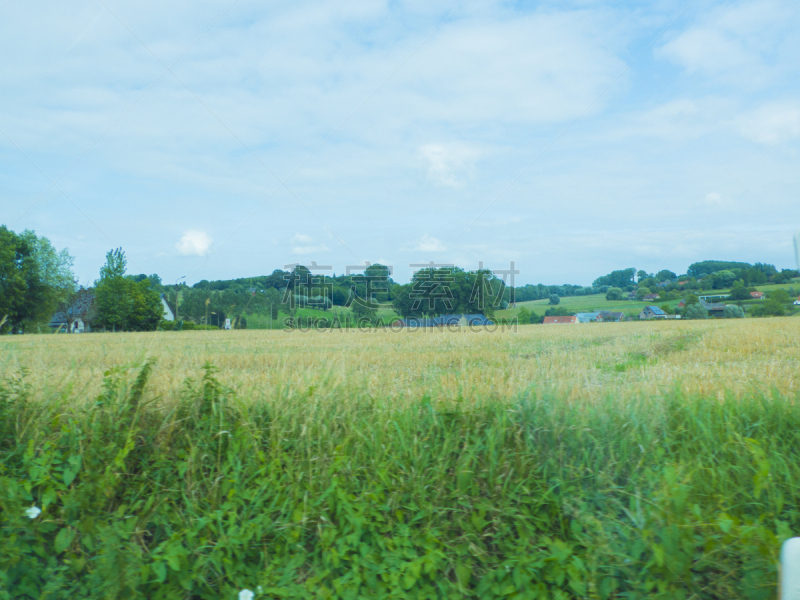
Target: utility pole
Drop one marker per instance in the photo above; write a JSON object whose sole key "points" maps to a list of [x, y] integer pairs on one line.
{"points": [[176, 296]]}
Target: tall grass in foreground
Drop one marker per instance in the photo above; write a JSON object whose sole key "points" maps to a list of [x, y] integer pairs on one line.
{"points": [[672, 497]]}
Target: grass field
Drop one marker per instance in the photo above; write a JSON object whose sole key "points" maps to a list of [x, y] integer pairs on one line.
{"points": [[630, 460]]}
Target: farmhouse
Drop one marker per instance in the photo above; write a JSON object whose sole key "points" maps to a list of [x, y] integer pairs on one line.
{"points": [[560, 320], [714, 308], [757, 295], [589, 317], [651, 297], [76, 318], [652, 312], [609, 315]]}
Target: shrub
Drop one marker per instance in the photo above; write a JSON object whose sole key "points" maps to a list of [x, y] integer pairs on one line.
{"points": [[696, 311]]}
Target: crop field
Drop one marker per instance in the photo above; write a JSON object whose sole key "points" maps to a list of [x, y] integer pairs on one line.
{"points": [[604, 460]]}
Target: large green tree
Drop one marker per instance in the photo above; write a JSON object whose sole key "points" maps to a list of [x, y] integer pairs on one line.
{"points": [[123, 303], [34, 280]]}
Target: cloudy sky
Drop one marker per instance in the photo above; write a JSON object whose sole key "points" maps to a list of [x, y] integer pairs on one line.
{"points": [[222, 138]]}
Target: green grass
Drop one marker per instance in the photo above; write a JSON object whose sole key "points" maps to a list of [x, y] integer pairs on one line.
{"points": [[585, 304], [351, 497], [598, 302]]}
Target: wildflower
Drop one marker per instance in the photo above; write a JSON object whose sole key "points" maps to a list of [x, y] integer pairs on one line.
{"points": [[246, 595], [33, 512]]}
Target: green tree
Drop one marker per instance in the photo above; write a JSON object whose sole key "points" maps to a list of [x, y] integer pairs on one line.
{"points": [[696, 311], [773, 308], [620, 279], [691, 299], [12, 279], [739, 291], [554, 299], [665, 275], [732, 311], [614, 293], [780, 296], [123, 303], [642, 292], [34, 280], [524, 316]]}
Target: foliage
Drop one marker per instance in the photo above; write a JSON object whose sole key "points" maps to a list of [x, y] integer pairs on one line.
{"points": [[696, 311], [123, 303], [34, 280], [641, 292], [732, 311], [665, 275], [780, 296], [739, 291], [212, 495], [554, 299], [449, 290], [557, 311], [620, 279], [770, 308], [707, 267], [614, 293], [524, 316]]}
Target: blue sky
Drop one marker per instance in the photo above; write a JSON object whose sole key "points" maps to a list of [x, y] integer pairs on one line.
{"points": [[220, 139]]}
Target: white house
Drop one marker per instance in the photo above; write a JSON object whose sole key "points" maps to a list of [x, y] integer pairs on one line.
{"points": [[797, 302]]}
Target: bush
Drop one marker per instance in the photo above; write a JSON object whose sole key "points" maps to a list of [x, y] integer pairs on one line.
{"points": [[733, 312], [696, 311], [554, 299]]}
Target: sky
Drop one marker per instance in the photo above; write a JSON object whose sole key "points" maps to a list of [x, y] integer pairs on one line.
{"points": [[218, 139]]}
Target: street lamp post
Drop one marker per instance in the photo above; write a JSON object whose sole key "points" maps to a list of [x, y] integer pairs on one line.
{"points": [[176, 296]]}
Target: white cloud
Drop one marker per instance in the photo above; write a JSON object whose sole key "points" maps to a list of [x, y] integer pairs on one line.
{"points": [[305, 245], [771, 123], [194, 243], [747, 44], [449, 164], [301, 238], [714, 198], [427, 244]]}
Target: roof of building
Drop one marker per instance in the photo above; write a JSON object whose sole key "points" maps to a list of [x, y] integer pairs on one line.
{"points": [[756, 294], [713, 305], [655, 310], [80, 307], [559, 320], [588, 317], [612, 314]]}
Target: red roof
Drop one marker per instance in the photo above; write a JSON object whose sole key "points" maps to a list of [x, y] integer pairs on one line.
{"points": [[559, 320], [757, 294]]}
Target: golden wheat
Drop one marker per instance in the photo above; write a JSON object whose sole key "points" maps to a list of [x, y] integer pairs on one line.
{"points": [[587, 362]]}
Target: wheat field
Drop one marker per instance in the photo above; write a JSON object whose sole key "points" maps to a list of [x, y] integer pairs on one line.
{"points": [[610, 461], [589, 362]]}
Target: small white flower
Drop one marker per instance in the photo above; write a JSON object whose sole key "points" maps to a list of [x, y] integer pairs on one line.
{"points": [[33, 512], [246, 595]]}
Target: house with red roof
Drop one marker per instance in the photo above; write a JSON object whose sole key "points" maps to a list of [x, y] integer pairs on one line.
{"points": [[757, 295], [560, 320]]}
